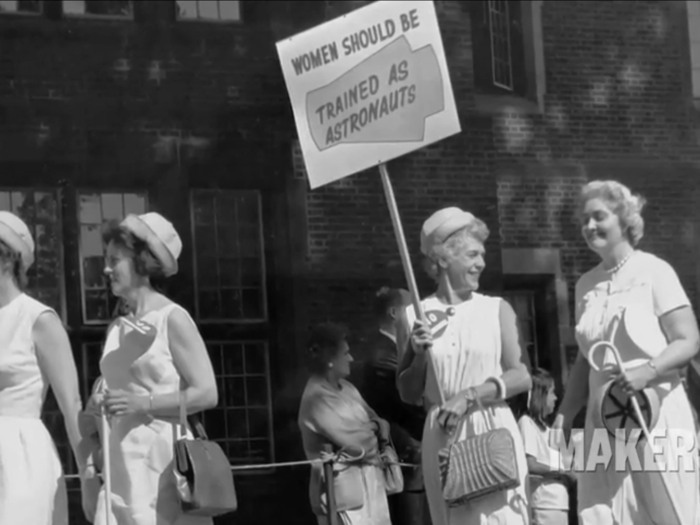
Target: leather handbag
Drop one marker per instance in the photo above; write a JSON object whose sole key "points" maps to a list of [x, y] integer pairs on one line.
{"points": [[479, 465], [202, 471], [347, 484], [393, 476]]}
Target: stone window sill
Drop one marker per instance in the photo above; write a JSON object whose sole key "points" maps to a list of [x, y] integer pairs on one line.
{"points": [[496, 104]]}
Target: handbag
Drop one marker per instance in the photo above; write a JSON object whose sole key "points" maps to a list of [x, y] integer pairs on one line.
{"points": [[391, 470], [202, 471], [479, 465], [347, 484]]}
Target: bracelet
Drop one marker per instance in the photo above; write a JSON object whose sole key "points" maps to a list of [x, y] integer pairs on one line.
{"points": [[500, 386], [653, 367]]}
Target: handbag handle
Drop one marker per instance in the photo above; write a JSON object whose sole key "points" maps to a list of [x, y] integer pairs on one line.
{"points": [[194, 421], [477, 402]]}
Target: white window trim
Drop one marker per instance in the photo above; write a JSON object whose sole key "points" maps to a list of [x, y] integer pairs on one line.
{"points": [[91, 191], [270, 412], [212, 20], [25, 13], [263, 263], [93, 16]]}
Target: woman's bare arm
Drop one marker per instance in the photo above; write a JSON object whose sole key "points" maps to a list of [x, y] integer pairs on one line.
{"points": [[194, 366], [514, 362], [56, 363], [684, 341]]}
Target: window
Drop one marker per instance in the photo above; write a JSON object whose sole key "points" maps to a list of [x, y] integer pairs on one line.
{"points": [[209, 10], [40, 210], [499, 58], [94, 209], [89, 367], [24, 7], [98, 8], [242, 422], [228, 256]]}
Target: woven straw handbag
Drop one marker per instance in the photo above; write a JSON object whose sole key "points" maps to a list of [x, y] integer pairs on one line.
{"points": [[479, 465]]}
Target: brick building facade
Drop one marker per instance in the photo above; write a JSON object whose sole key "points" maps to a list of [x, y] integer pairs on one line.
{"points": [[178, 107]]}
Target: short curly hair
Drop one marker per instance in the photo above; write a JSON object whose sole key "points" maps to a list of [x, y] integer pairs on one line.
{"points": [[453, 246], [626, 205], [145, 263], [12, 260], [324, 346]]}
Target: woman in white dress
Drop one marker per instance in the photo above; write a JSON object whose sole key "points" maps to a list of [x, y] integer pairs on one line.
{"points": [[35, 353], [474, 342], [627, 277], [144, 370]]}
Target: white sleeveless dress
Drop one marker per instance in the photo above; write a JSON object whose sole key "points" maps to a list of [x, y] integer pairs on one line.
{"points": [[467, 350], [141, 447], [607, 495], [32, 486]]}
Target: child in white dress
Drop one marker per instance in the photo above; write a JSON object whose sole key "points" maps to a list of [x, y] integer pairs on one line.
{"points": [[549, 494]]}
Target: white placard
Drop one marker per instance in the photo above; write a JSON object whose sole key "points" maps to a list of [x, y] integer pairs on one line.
{"points": [[368, 87]]}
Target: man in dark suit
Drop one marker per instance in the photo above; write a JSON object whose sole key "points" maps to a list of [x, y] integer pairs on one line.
{"points": [[379, 390]]}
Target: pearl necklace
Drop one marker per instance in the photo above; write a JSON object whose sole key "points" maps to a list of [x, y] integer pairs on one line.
{"points": [[621, 263]]}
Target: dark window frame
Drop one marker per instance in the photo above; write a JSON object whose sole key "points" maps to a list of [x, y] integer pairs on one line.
{"points": [[482, 26]]}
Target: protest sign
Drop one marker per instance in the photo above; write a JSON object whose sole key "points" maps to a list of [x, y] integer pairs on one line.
{"points": [[368, 87]]}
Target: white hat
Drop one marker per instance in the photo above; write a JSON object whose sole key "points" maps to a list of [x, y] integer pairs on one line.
{"points": [[440, 225], [160, 236], [15, 233]]}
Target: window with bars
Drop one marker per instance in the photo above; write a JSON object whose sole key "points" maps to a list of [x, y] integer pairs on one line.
{"points": [[209, 10], [228, 256], [23, 7], [242, 422], [94, 210], [40, 210], [498, 47], [99, 8]]}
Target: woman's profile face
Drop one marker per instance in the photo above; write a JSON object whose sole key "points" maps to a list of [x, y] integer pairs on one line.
{"points": [[341, 361], [464, 268], [601, 226], [119, 269]]}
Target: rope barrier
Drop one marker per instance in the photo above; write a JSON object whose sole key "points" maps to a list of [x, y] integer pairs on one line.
{"points": [[340, 457]]}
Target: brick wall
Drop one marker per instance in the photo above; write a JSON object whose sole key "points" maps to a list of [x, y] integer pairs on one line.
{"points": [[617, 106]]}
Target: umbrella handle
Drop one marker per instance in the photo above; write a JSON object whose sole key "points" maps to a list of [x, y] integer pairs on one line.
{"points": [[635, 404], [106, 466]]}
